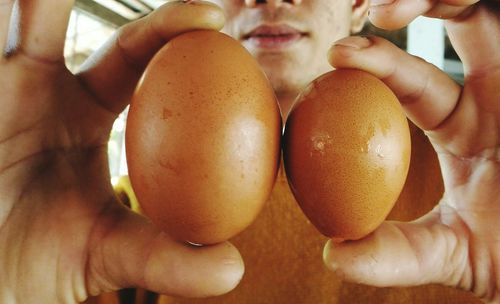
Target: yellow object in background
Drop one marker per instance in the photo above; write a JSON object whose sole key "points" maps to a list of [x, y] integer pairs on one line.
{"points": [[125, 193]]}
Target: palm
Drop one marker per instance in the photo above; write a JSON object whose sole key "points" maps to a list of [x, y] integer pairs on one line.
{"points": [[471, 203], [54, 156], [63, 236]]}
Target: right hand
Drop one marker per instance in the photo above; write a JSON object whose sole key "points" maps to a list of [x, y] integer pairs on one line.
{"points": [[63, 234], [457, 243]]}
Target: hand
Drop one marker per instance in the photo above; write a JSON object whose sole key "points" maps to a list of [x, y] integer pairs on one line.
{"points": [[63, 234], [457, 243]]}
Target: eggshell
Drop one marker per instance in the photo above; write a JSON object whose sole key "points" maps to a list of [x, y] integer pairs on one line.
{"points": [[203, 138], [347, 152]]}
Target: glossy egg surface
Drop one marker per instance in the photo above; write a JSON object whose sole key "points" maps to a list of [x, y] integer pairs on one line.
{"points": [[203, 138], [347, 152]]}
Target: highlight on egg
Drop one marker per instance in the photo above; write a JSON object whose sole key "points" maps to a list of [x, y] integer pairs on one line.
{"points": [[346, 152], [203, 138]]}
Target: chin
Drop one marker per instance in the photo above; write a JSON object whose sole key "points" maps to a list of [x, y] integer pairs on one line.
{"points": [[283, 87], [285, 82]]}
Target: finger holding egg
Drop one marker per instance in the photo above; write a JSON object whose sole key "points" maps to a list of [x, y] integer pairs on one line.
{"points": [[347, 141], [448, 244], [417, 84], [208, 157], [127, 53]]}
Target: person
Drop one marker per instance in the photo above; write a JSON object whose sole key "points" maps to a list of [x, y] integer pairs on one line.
{"points": [[64, 236]]}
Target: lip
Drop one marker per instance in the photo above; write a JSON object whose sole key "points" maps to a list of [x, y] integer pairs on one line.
{"points": [[274, 37]]}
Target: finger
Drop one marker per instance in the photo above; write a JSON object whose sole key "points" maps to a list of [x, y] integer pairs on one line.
{"points": [[478, 106], [125, 55], [482, 27], [416, 83], [401, 254], [134, 253], [395, 14], [42, 28], [5, 13]]}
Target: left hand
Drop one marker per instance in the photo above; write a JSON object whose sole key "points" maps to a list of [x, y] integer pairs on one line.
{"points": [[457, 243]]}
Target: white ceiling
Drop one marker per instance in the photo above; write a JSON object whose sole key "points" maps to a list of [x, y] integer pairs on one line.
{"points": [[154, 3], [118, 12]]}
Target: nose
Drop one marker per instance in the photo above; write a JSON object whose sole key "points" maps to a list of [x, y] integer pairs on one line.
{"points": [[275, 3]]}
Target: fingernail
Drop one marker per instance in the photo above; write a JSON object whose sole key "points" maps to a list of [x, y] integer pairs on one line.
{"points": [[356, 42], [381, 2], [330, 263]]}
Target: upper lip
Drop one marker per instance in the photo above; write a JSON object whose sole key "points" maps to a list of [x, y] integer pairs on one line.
{"points": [[273, 30]]}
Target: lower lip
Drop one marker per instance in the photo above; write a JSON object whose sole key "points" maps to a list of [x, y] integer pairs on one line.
{"points": [[277, 42]]}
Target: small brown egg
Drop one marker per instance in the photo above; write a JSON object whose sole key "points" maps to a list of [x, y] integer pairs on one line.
{"points": [[203, 138], [346, 152]]}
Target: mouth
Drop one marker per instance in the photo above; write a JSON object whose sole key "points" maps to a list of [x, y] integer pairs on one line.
{"points": [[274, 37]]}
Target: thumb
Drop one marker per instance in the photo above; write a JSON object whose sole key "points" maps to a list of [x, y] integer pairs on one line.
{"points": [[401, 254], [113, 71], [135, 253]]}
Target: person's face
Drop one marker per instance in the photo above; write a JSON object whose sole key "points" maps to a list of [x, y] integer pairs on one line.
{"points": [[290, 39]]}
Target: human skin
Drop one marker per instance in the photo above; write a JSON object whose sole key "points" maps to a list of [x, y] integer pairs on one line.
{"points": [[457, 243], [64, 236], [319, 21], [461, 122]]}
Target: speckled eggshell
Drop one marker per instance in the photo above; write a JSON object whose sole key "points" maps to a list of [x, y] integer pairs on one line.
{"points": [[347, 152], [203, 138]]}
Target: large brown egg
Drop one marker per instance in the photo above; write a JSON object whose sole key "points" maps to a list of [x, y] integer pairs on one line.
{"points": [[346, 152], [203, 138]]}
